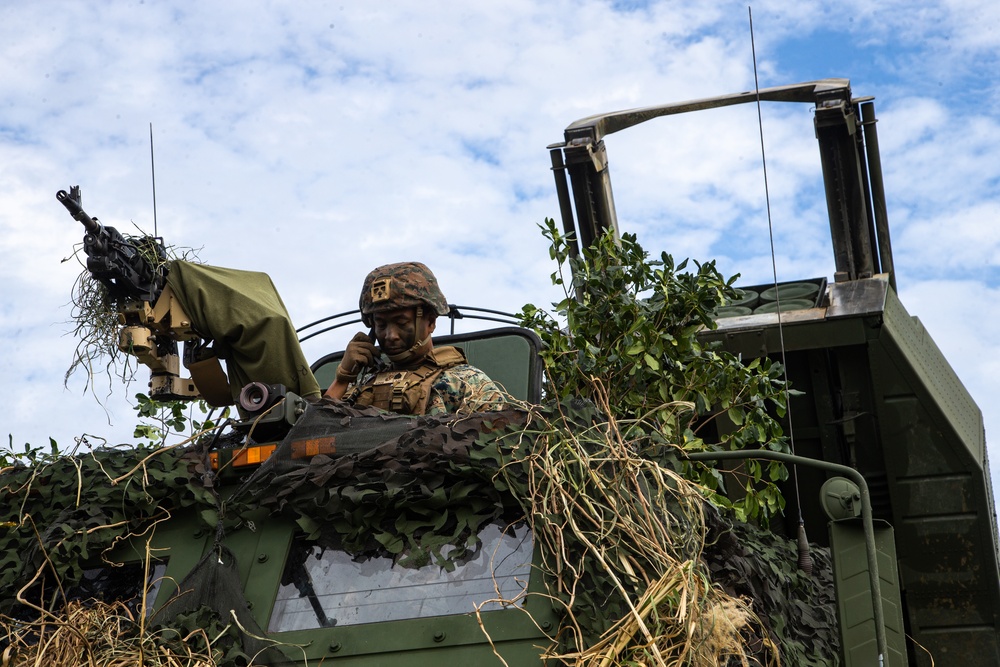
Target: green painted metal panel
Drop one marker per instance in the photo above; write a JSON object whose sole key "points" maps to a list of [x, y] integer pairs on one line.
{"points": [[854, 596], [758, 335], [881, 397], [933, 443], [506, 360], [266, 563], [518, 637], [261, 547], [181, 542], [908, 341], [427, 641], [512, 653]]}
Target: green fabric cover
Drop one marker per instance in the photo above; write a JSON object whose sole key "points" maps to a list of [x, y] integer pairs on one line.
{"points": [[243, 313]]}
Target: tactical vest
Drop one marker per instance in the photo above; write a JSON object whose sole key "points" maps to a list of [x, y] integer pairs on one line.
{"points": [[406, 391]]}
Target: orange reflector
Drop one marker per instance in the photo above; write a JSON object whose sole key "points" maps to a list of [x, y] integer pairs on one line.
{"points": [[253, 455], [250, 456], [311, 447], [301, 449]]}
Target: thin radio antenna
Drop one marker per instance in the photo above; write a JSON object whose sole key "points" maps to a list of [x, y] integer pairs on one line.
{"points": [[152, 168], [805, 558]]}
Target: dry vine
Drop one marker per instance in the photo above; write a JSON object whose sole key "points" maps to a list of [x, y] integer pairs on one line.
{"points": [[100, 633], [95, 315], [623, 536]]}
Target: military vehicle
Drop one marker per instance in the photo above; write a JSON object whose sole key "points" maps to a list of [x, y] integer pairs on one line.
{"points": [[889, 447], [879, 397]]}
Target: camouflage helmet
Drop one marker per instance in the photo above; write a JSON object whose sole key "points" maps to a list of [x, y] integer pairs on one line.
{"points": [[403, 285]]}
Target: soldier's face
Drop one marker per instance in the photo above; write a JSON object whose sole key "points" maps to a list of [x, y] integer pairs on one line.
{"points": [[396, 330]]}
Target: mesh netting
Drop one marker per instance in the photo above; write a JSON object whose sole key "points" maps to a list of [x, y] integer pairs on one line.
{"points": [[394, 485], [214, 584], [339, 426], [419, 491]]}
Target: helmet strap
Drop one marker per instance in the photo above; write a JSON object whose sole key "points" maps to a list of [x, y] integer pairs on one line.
{"points": [[420, 349]]}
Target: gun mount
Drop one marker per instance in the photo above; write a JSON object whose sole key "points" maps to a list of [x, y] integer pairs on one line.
{"points": [[214, 312], [131, 269], [134, 272]]}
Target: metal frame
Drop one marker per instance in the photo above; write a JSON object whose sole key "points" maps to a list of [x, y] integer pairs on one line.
{"points": [[851, 167], [454, 313]]}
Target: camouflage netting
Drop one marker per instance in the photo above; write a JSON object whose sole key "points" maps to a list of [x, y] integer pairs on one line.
{"points": [[638, 562], [59, 517], [60, 520], [213, 594], [409, 488], [799, 607], [615, 520]]}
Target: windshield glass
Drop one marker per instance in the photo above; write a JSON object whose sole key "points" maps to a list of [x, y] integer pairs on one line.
{"points": [[326, 587]]}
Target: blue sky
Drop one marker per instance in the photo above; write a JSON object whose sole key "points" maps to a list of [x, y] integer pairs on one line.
{"points": [[317, 140]]}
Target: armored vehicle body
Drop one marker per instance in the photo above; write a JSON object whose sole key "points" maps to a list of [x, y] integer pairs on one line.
{"points": [[883, 426]]}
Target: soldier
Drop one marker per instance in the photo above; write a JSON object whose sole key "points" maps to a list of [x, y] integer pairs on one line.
{"points": [[401, 303]]}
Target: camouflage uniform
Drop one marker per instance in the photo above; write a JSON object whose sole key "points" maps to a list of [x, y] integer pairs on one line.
{"points": [[464, 388], [424, 379]]}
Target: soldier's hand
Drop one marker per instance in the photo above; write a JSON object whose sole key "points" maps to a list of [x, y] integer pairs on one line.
{"points": [[360, 352]]}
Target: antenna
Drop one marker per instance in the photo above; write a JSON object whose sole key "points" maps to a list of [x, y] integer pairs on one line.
{"points": [[152, 168], [805, 558]]}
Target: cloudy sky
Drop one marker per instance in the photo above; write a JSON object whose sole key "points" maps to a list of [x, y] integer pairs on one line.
{"points": [[316, 140]]}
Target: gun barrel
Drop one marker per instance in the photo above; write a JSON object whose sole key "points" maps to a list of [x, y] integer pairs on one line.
{"points": [[71, 200]]}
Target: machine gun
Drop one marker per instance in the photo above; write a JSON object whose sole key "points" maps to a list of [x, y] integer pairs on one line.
{"points": [[157, 315], [130, 269], [134, 271]]}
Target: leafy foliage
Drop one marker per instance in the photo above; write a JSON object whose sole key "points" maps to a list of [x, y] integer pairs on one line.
{"points": [[622, 537], [31, 456], [632, 323], [158, 419]]}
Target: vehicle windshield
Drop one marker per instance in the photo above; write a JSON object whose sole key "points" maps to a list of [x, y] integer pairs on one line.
{"points": [[327, 587]]}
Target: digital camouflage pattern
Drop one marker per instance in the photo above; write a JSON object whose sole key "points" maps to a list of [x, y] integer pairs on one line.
{"points": [[402, 285], [443, 383], [464, 389]]}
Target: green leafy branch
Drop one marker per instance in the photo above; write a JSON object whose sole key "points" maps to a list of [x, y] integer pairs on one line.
{"points": [[633, 323], [158, 419]]}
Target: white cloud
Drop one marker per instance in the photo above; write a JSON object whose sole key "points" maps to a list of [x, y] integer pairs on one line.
{"points": [[963, 318], [965, 240], [315, 141]]}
